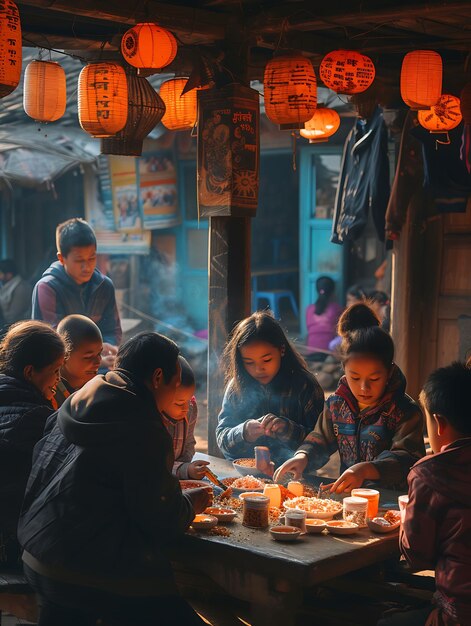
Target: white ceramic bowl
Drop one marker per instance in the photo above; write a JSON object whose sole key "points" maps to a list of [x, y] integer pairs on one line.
{"points": [[341, 527], [221, 514], [246, 471], [314, 526], [193, 484], [325, 515], [285, 533]]}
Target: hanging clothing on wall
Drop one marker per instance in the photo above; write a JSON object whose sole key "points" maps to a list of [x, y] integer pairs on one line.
{"points": [[364, 180]]}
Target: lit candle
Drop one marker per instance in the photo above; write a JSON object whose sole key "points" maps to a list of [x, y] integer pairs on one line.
{"points": [[296, 487], [274, 493]]}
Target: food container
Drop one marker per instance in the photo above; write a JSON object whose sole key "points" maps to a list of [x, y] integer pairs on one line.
{"points": [[403, 501], [355, 510], [296, 488], [284, 533], [202, 521], [296, 518], [341, 527], [255, 512], [246, 467], [273, 492], [315, 526], [221, 514], [250, 494], [372, 495]]}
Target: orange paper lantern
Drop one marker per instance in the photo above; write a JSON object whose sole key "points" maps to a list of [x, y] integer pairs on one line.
{"points": [[148, 46], [180, 111], [421, 79], [443, 116], [290, 91], [44, 91], [324, 123], [102, 99], [347, 71], [10, 47]]}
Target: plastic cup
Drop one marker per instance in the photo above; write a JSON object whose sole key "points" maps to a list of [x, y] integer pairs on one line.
{"points": [[403, 501], [372, 495]]}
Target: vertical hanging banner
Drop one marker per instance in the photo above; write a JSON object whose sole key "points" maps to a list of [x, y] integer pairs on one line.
{"points": [[228, 151], [126, 209], [10, 47], [158, 190]]}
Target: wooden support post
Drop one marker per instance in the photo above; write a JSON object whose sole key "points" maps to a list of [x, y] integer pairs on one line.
{"points": [[229, 301]]}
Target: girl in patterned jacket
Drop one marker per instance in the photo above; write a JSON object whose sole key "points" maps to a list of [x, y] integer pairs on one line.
{"points": [[376, 427]]}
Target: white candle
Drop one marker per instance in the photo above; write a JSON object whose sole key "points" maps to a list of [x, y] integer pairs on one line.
{"points": [[274, 493], [296, 487]]}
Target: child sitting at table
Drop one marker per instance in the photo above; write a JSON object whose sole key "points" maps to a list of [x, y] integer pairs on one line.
{"points": [[84, 344], [271, 397], [370, 420], [180, 420], [436, 529]]}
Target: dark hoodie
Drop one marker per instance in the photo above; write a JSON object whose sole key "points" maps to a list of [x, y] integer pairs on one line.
{"points": [[56, 295], [23, 414], [101, 501], [389, 435], [436, 530]]}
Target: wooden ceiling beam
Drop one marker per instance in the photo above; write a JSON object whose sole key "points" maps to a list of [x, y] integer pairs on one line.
{"points": [[184, 21]]}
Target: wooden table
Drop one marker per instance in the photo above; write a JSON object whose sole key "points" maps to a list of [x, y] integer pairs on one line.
{"points": [[271, 575]]}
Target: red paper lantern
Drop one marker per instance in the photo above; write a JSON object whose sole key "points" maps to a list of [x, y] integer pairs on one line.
{"points": [[180, 110], [421, 79], [148, 46], [290, 91], [347, 71], [443, 116], [324, 123], [102, 99], [44, 91], [10, 47]]}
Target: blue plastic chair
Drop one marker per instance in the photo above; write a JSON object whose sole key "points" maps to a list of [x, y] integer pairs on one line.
{"points": [[273, 298]]}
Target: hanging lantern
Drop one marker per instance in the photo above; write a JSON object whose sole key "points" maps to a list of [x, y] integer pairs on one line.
{"points": [[290, 91], [421, 79], [44, 91], [347, 71], [324, 123], [148, 46], [146, 109], [102, 99], [180, 110], [443, 116], [10, 47]]}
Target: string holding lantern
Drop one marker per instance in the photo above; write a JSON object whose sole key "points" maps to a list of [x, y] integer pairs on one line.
{"points": [[102, 99], [10, 47], [148, 46], [290, 90], [146, 109], [322, 125], [443, 116], [347, 71], [44, 91], [180, 107], [421, 79]]}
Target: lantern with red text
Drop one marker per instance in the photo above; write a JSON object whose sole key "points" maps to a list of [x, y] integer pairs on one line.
{"points": [[324, 123], [443, 116], [290, 91], [102, 99], [180, 110], [148, 45], [44, 91], [421, 79], [347, 71], [10, 47]]}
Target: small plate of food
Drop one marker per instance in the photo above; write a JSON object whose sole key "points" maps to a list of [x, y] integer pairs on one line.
{"points": [[391, 520], [318, 508], [203, 521], [285, 533], [244, 483], [221, 514], [193, 484], [341, 527], [315, 526], [246, 467]]}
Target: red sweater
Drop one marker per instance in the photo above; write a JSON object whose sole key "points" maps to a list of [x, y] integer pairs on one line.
{"points": [[436, 533]]}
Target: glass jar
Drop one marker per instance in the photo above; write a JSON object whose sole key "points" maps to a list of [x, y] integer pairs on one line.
{"points": [[355, 510], [296, 518], [372, 495], [255, 512]]}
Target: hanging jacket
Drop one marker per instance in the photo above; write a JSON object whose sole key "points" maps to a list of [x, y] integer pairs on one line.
{"points": [[56, 295], [436, 530], [23, 414], [101, 502], [389, 435], [364, 180], [297, 397]]}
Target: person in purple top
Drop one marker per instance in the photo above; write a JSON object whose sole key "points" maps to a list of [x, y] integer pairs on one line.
{"points": [[322, 317]]}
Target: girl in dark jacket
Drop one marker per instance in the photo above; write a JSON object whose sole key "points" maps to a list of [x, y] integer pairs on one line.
{"points": [[31, 355]]}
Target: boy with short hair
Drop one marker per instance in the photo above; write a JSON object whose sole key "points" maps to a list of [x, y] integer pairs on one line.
{"points": [[84, 345], [436, 530], [180, 420], [73, 284]]}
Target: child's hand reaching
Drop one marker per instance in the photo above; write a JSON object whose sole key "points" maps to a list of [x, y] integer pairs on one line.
{"points": [[296, 466], [108, 355], [354, 477], [274, 426], [196, 469], [253, 430]]}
